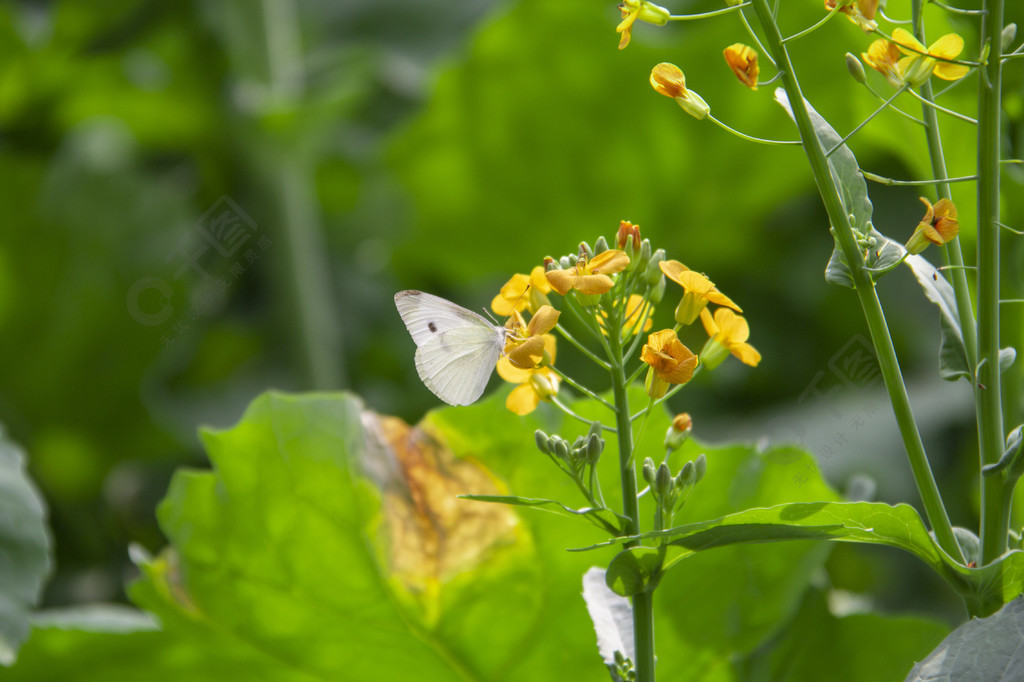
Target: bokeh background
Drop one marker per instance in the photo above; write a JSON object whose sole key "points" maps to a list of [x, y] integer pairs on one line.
{"points": [[203, 200]]}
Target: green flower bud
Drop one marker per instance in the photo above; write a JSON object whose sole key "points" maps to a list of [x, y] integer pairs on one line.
{"points": [[596, 428], [653, 273], [560, 447], [653, 14], [542, 441], [586, 251], [700, 466], [595, 445], [645, 253], [649, 471], [687, 476], [566, 262], [658, 292], [1009, 33], [855, 68], [663, 482], [601, 245]]}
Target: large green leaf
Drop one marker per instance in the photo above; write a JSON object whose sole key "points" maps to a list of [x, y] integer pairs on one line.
{"points": [[326, 538], [25, 559], [852, 647], [984, 649]]}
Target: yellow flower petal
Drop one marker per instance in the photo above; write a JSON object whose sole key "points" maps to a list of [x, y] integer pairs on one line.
{"points": [[522, 400], [511, 373], [951, 72], [731, 326], [608, 262], [904, 39], [543, 321], [742, 59], [592, 284], [668, 79], [946, 47], [561, 280], [747, 354]]}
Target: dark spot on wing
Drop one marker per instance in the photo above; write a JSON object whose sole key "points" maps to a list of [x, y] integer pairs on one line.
{"points": [[432, 327]]}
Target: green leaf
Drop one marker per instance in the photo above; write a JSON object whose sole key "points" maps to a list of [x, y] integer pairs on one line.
{"points": [[837, 271], [842, 164], [25, 552], [953, 362], [602, 517], [982, 649], [612, 616], [332, 539], [98, 643], [852, 648], [867, 522]]}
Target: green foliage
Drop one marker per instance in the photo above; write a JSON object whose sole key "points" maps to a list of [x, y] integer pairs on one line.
{"points": [[25, 551], [982, 649]]}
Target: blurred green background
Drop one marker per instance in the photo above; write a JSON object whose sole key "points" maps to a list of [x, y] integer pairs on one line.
{"points": [[206, 200]]}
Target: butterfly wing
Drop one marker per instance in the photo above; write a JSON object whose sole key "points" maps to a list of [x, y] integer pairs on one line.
{"points": [[456, 365], [456, 348], [426, 316]]}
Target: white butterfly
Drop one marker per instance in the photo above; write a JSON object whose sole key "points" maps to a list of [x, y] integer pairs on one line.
{"points": [[456, 349]]}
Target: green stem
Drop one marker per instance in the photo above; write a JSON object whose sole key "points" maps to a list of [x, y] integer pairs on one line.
{"points": [[929, 103], [873, 314], [994, 523], [643, 608], [749, 138]]}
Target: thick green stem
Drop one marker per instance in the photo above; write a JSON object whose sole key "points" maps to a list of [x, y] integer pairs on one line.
{"points": [[994, 522], [879, 331], [643, 608]]}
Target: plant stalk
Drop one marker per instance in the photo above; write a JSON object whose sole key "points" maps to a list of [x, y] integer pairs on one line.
{"points": [[994, 522], [873, 314], [643, 607]]}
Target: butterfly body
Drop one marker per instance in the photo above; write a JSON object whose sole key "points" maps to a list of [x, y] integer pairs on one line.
{"points": [[456, 349]]}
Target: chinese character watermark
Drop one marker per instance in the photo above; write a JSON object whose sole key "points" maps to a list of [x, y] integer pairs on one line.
{"points": [[224, 231]]}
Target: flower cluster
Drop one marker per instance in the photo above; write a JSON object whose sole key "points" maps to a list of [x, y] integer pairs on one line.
{"points": [[612, 293]]}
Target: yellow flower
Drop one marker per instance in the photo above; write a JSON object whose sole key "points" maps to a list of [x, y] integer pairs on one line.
{"points": [[525, 343], [642, 10], [938, 226], [728, 333], [670, 362], [535, 383], [920, 63], [742, 59], [522, 292], [698, 291], [883, 56], [636, 308], [668, 79], [589, 277], [861, 12]]}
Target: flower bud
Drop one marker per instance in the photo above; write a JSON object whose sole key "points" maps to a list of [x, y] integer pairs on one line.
{"points": [[559, 447], [595, 429], [700, 466], [601, 245], [658, 292], [645, 253], [595, 445], [566, 262], [1009, 33], [542, 441], [687, 476], [855, 68], [654, 274], [648, 471], [550, 263], [678, 432], [585, 251], [663, 481], [653, 14], [628, 237]]}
